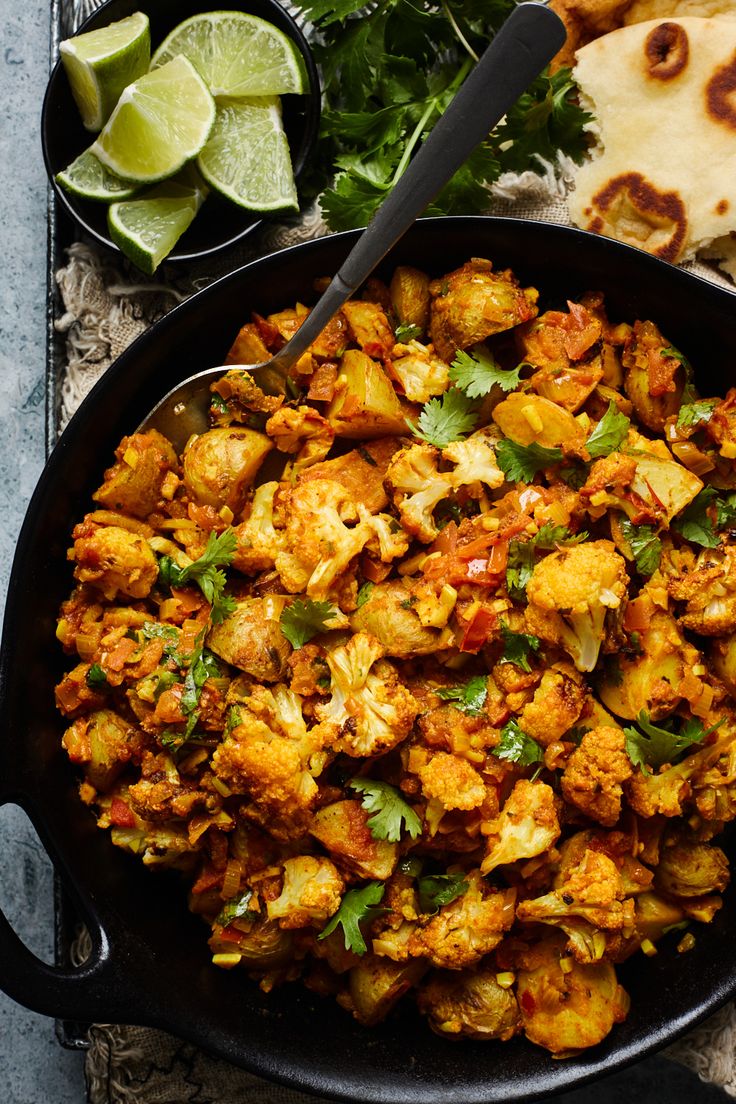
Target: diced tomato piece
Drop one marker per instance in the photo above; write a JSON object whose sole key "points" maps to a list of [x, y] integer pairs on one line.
{"points": [[478, 630], [121, 814]]}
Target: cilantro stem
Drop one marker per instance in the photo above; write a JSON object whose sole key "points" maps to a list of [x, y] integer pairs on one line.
{"points": [[456, 28], [416, 134]]}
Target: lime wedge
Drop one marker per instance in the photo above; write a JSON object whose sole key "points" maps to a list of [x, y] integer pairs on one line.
{"points": [[88, 178], [247, 156], [147, 229], [161, 121], [100, 64], [237, 54]]}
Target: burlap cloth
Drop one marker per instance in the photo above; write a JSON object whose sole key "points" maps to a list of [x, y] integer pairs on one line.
{"points": [[106, 305]]}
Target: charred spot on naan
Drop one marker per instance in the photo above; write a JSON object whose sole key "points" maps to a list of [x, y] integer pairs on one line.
{"points": [[631, 209], [720, 94], [666, 51]]}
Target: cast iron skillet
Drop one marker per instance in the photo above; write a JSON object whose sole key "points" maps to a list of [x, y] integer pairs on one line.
{"points": [[150, 963]]}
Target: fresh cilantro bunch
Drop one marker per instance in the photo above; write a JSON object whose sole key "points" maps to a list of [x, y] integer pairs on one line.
{"points": [[652, 745], [206, 573], [390, 811], [389, 70]]}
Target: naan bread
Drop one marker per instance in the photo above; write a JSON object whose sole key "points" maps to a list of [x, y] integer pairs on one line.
{"points": [[639, 11], [664, 97]]}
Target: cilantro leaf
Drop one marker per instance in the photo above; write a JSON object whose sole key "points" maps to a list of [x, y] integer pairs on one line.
{"points": [[550, 536], [696, 413], [357, 906], [436, 890], [726, 512], [517, 647], [656, 745], [206, 572], [237, 908], [389, 810], [363, 594], [516, 747], [96, 678], [406, 331], [609, 434], [645, 545], [476, 373], [675, 354], [446, 419], [469, 698], [694, 522], [303, 620], [520, 463]]}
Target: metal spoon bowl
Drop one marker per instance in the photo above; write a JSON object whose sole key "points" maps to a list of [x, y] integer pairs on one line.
{"points": [[527, 41]]}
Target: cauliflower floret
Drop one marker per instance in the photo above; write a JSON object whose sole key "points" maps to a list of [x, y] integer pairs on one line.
{"points": [[417, 488], [526, 826], [272, 757], [258, 541], [420, 373], [588, 903], [570, 593], [471, 1004], [447, 779], [475, 461], [311, 893], [594, 773], [667, 793], [303, 431], [468, 928], [370, 711], [557, 703], [114, 560], [320, 543], [709, 591]]}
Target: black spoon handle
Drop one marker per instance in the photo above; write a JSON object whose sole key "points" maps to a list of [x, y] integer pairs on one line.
{"points": [[526, 42]]}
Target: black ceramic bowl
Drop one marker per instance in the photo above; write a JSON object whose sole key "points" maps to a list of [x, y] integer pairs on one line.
{"points": [[150, 963], [220, 223]]}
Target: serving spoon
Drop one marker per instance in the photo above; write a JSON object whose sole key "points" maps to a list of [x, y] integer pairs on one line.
{"points": [[527, 41]]}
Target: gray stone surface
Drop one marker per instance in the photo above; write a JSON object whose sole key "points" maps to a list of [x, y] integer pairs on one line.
{"points": [[33, 1068]]}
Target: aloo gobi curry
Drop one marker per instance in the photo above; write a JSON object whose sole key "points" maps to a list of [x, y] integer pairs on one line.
{"points": [[422, 676]]}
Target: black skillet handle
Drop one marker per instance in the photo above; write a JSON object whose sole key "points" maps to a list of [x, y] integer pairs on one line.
{"points": [[99, 990]]}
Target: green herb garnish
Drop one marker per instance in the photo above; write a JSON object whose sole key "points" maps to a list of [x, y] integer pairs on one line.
{"points": [[301, 621], [476, 373], [446, 419], [389, 810], [357, 907], [469, 698]]}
